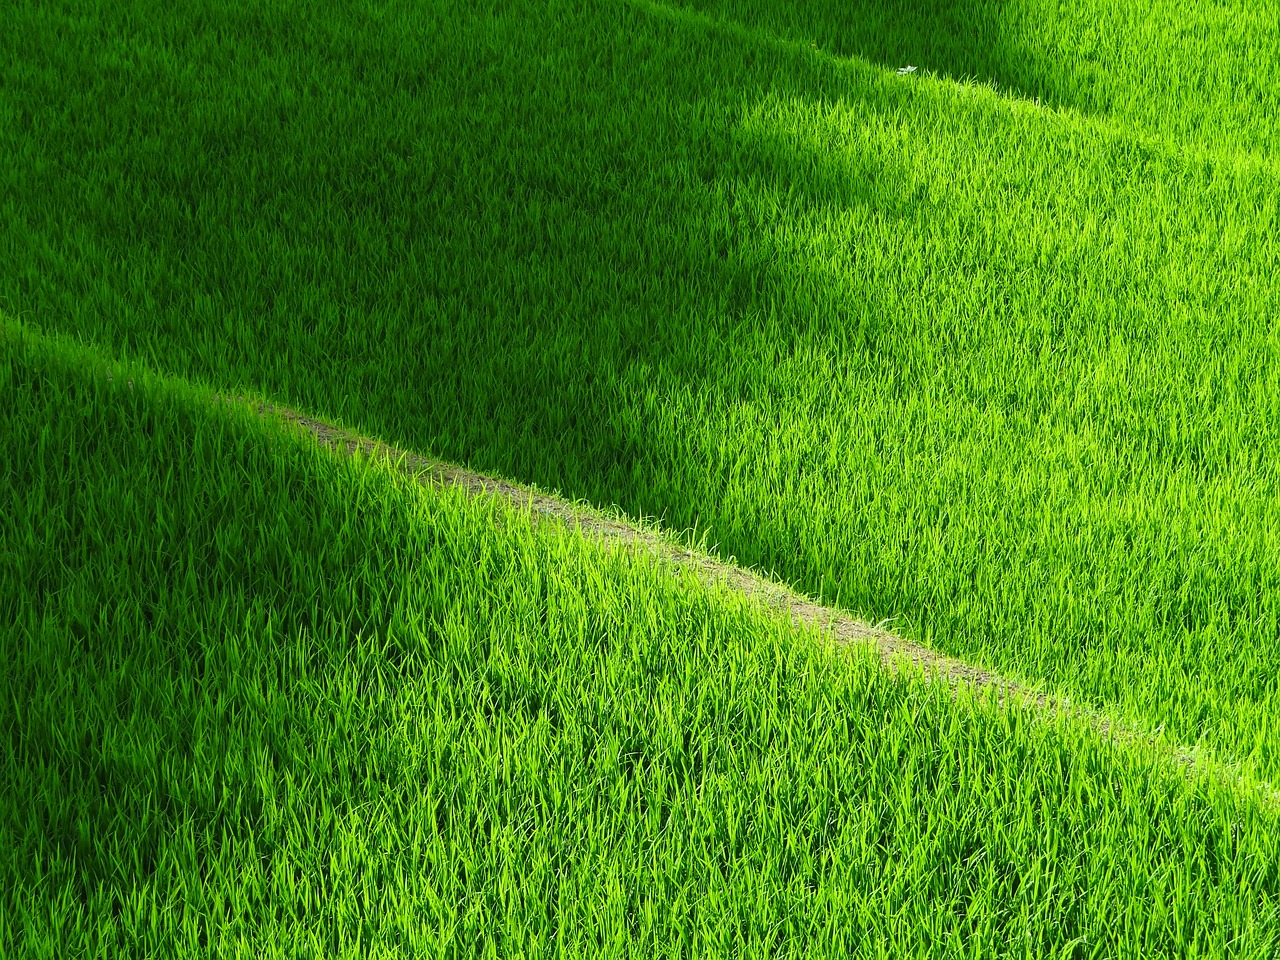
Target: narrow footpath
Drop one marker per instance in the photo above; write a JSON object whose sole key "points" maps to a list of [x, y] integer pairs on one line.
{"points": [[894, 651]]}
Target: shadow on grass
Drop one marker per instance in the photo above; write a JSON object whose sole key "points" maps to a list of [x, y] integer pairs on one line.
{"points": [[964, 40], [489, 235], [508, 237], [461, 249]]}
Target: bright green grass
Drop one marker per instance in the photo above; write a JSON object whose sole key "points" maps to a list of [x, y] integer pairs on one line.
{"points": [[264, 701], [1009, 375], [1207, 73]]}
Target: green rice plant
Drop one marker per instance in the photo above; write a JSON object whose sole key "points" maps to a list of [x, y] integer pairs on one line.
{"points": [[1007, 375], [262, 700], [1201, 73]]}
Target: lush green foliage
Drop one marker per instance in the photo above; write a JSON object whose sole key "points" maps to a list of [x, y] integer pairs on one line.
{"points": [[1190, 73], [1007, 374], [1006, 371], [261, 700]]}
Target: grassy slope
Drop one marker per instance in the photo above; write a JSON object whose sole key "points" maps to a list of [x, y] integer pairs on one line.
{"points": [[1006, 374], [1203, 74], [264, 701]]}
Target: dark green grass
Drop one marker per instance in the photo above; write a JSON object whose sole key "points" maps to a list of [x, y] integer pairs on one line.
{"points": [[260, 701], [1007, 375]]}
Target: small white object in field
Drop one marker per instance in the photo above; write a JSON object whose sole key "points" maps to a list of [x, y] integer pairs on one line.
{"points": [[903, 71]]}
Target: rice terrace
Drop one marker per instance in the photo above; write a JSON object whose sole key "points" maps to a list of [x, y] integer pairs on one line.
{"points": [[640, 478]]}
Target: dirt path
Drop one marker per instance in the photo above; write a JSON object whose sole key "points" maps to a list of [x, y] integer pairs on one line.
{"points": [[894, 651]]}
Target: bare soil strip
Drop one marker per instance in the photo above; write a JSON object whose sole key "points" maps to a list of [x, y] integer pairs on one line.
{"points": [[894, 651]]}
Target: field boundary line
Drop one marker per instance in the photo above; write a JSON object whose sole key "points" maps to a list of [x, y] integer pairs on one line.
{"points": [[895, 652]]}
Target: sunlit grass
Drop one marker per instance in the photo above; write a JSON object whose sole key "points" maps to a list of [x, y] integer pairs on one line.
{"points": [[263, 700], [1007, 375], [1192, 74], [1004, 373]]}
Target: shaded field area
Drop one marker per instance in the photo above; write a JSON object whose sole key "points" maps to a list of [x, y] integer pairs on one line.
{"points": [[264, 700], [1008, 376], [989, 353]]}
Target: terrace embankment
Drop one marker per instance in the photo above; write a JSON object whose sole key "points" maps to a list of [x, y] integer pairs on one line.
{"points": [[894, 651]]}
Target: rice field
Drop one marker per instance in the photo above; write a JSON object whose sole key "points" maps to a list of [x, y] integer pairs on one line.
{"points": [[987, 350], [265, 701]]}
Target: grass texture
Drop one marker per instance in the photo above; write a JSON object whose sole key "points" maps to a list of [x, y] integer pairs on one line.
{"points": [[1202, 74], [1006, 373], [989, 350], [261, 700]]}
